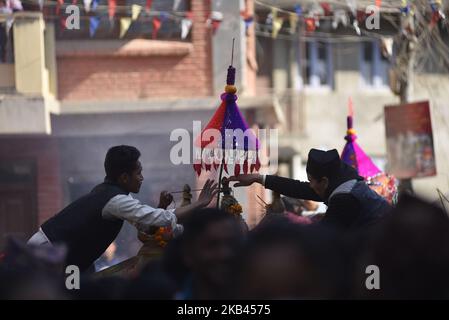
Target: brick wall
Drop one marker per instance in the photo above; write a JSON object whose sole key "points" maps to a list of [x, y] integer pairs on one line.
{"points": [[136, 77], [43, 151]]}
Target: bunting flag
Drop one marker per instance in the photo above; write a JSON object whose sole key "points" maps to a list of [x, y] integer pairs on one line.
{"points": [[59, 4], [164, 16], [148, 5], [125, 23], [298, 9], [276, 23], [62, 22], [135, 11], [186, 25], [340, 17], [352, 5], [293, 20], [355, 24], [94, 22], [176, 4], [87, 4], [215, 20], [247, 18], [360, 16], [437, 13], [156, 26], [248, 22], [310, 24], [326, 8], [378, 3], [112, 5], [405, 7], [14, 5]]}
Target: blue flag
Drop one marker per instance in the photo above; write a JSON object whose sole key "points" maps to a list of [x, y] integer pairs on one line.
{"points": [[94, 21]]}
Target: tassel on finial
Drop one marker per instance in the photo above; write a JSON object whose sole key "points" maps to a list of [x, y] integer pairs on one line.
{"points": [[230, 79], [350, 133]]}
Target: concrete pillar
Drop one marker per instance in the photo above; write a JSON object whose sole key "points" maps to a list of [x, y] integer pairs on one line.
{"points": [[31, 75], [50, 58], [280, 66]]}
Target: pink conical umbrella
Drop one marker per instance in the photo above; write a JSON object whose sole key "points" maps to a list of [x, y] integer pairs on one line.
{"points": [[352, 154]]}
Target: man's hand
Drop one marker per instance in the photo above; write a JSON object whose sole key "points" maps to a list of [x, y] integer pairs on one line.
{"points": [[209, 191], [165, 199], [245, 180]]}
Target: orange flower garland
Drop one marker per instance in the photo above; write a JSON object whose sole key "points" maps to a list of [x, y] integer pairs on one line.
{"points": [[163, 235], [235, 209]]}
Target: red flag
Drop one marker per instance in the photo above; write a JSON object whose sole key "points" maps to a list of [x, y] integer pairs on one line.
{"points": [[148, 5], [215, 25], [111, 9], [62, 22], [326, 8], [59, 3], [310, 24], [156, 26]]}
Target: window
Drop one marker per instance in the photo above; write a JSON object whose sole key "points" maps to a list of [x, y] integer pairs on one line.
{"points": [[318, 64], [373, 66], [142, 28]]}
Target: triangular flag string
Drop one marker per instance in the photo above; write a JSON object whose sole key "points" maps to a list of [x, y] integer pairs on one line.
{"points": [[125, 23], [112, 7], [186, 25], [94, 21], [135, 11], [156, 26]]}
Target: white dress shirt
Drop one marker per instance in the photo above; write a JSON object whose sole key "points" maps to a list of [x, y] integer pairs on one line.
{"points": [[125, 207]]}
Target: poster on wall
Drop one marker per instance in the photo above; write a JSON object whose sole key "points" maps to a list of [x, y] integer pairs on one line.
{"points": [[410, 150]]}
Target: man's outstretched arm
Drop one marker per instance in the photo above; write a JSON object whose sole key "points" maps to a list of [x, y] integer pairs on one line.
{"points": [[288, 187]]}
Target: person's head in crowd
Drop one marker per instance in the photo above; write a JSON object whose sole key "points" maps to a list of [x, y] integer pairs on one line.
{"points": [[325, 171], [211, 240], [411, 250], [151, 284], [102, 288], [286, 261], [173, 263], [29, 273], [123, 167]]}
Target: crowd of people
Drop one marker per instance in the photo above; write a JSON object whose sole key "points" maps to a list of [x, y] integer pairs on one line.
{"points": [[213, 257]]}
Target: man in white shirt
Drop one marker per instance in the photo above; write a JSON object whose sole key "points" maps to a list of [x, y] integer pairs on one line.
{"points": [[90, 224]]}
